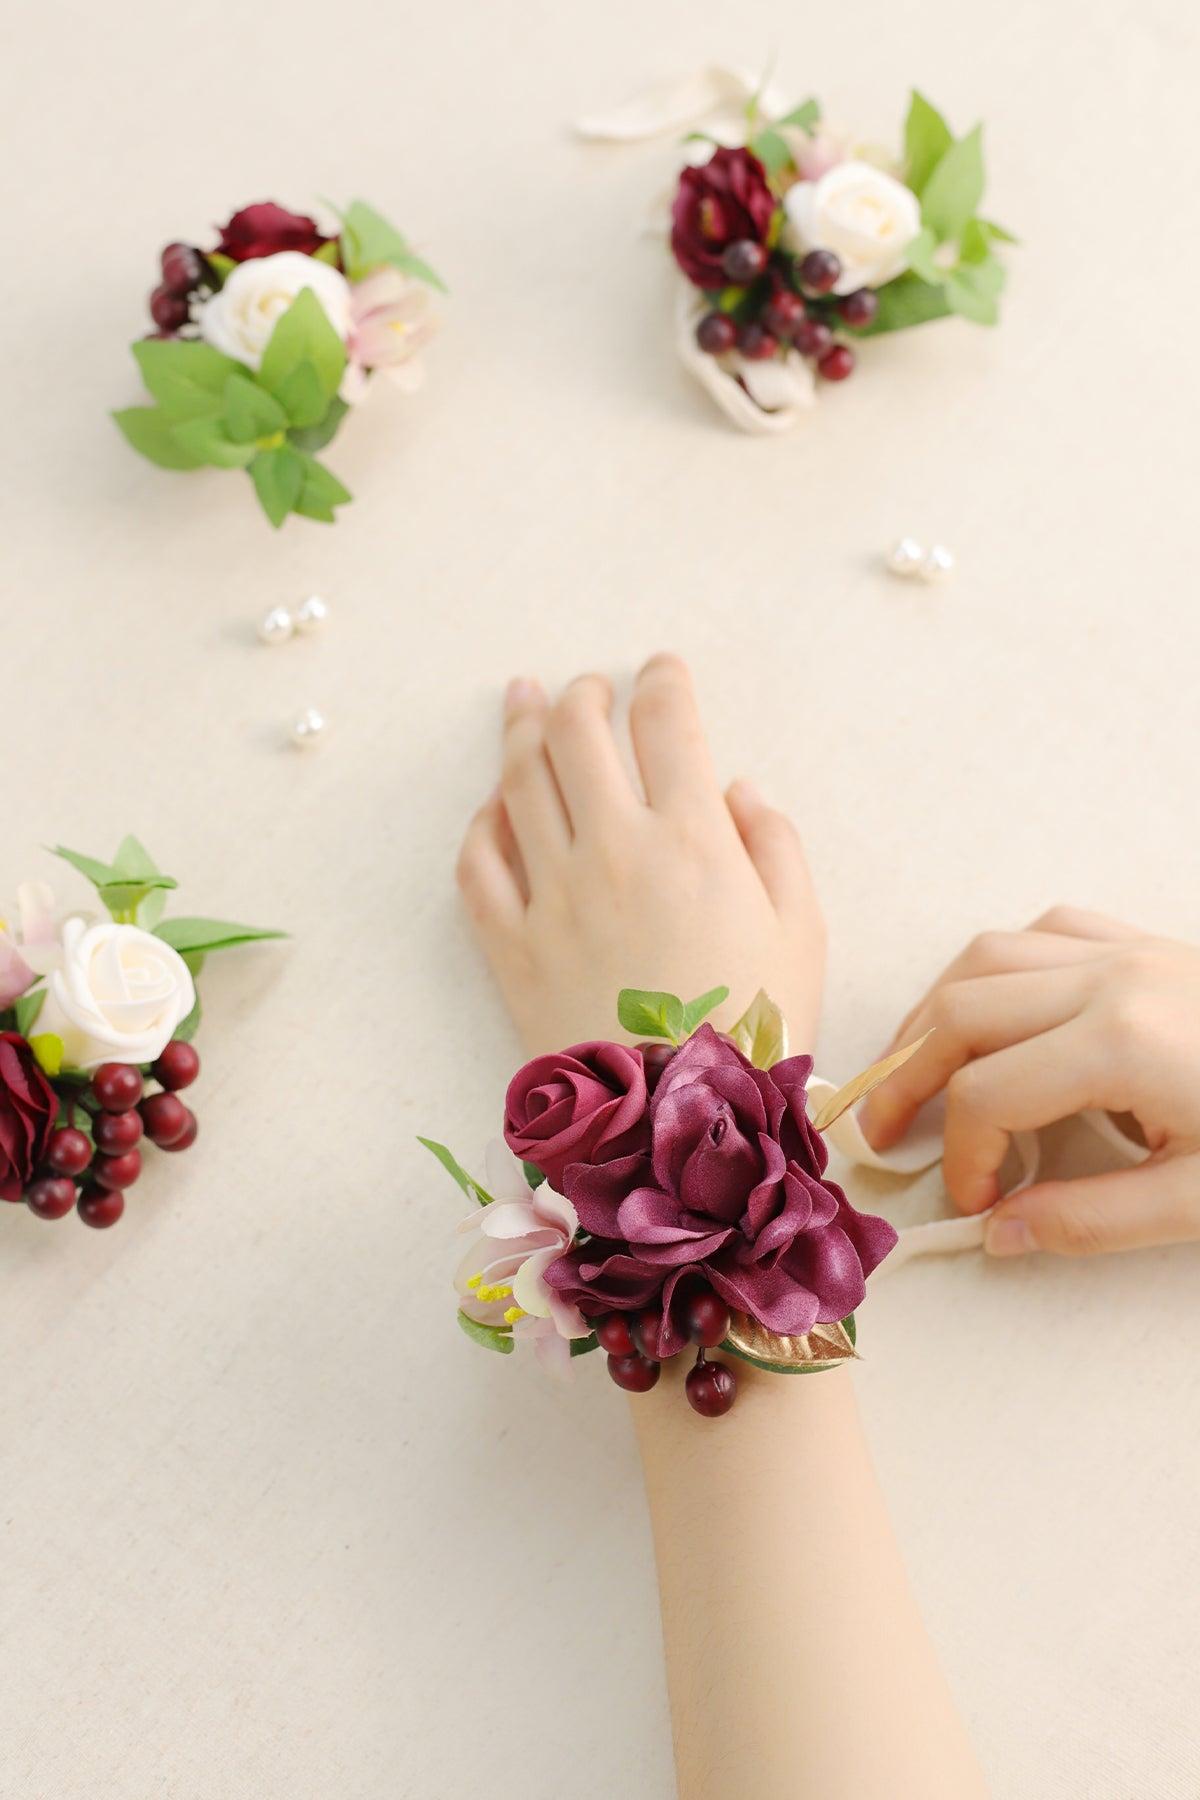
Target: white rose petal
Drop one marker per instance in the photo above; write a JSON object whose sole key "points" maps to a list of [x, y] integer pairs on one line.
{"points": [[240, 318], [118, 994], [867, 218]]}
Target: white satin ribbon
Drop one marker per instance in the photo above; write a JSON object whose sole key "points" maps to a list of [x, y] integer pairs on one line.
{"points": [[921, 1149], [674, 105]]}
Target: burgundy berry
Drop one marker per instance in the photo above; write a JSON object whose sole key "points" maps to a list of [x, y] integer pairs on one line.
{"points": [[743, 261], [169, 311], [187, 1136], [116, 1132], [182, 268], [837, 363], [645, 1329], [117, 1086], [612, 1334], [756, 343], [100, 1207], [50, 1198], [165, 1118], [707, 1320], [716, 333], [711, 1389], [819, 271], [655, 1058], [117, 1171], [813, 338], [68, 1152], [783, 312], [178, 1066], [858, 309], [636, 1374]]}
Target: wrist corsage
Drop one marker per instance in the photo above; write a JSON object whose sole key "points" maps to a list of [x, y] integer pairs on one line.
{"points": [[91, 1011], [670, 1193], [264, 341]]}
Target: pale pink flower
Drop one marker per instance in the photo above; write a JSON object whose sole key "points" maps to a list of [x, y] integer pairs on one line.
{"points": [[28, 953], [501, 1277], [391, 320]]}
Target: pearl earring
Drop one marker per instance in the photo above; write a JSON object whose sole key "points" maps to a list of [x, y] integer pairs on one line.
{"points": [[312, 614], [905, 557], [309, 729], [276, 627], [938, 564]]}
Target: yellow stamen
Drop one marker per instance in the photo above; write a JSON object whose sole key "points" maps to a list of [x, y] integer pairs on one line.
{"points": [[513, 1314], [473, 1281]]}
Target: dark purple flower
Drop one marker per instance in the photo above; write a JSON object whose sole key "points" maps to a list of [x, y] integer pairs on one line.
{"points": [[583, 1105], [724, 201], [264, 229], [731, 1193], [28, 1108]]}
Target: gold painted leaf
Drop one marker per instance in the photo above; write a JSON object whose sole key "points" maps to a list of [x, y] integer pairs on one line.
{"points": [[761, 1033], [861, 1086], [820, 1348]]}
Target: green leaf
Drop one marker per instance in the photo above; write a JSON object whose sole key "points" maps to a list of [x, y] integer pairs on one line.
{"points": [[315, 437], [278, 477], [369, 241], [187, 379], [804, 116], [100, 874], [48, 1050], [204, 935], [921, 255], [148, 430], [532, 1174], [454, 1168], [27, 1008], [696, 1011], [133, 860], [210, 443], [328, 253], [771, 151], [907, 301], [123, 884], [304, 334], [150, 909], [320, 492], [302, 397], [221, 265], [648, 1013], [492, 1337], [189, 1026], [996, 232], [249, 411], [582, 1346], [973, 291], [927, 137], [953, 191]]}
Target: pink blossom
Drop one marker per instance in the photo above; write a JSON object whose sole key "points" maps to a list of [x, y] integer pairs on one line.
{"points": [[390, 322]]}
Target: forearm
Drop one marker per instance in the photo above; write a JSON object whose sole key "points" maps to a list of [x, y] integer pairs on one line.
{"points": [[797, 1662]]}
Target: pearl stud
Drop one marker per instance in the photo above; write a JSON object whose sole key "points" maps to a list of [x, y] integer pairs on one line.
{"points": [[309, 729], [276, 627], [312, 614], [938, 564], [905, 557]]}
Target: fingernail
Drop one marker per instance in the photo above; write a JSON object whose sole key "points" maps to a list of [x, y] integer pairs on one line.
{"points": [[520, 692], [1008, 1237], [981, 1194]]}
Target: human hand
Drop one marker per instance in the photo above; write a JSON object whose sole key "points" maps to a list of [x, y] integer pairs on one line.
{"points": [[1078, 1012], [578, 886]]}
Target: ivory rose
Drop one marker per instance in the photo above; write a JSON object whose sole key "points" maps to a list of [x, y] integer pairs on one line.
{"points": [[240, 318], [115, 993], [866, 217]]}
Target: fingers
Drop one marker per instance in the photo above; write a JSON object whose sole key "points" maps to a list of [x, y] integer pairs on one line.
{"points": [[773, 846], [1075, 921], [970, 1019], [669, 742], [1132, 1209], [1022, 1088], [489, 874], [527, 785], [584, 756], [1003, 953]]}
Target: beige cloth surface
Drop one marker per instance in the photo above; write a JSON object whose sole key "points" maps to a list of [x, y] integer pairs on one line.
{"points": [[272, 1530]]}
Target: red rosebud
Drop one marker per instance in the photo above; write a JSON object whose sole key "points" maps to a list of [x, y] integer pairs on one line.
{"points": [[28, 1109], [264, 229], [725, 200]]}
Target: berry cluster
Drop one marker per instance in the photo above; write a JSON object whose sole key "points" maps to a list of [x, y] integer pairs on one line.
{"points": [[632, 1341], [92, 1173], [184, 274], [786, 302]]}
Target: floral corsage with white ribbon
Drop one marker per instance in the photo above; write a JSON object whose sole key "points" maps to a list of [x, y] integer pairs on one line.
{"points": [[797, 239], [670, 1194], [97, 1016], [265, 340]]}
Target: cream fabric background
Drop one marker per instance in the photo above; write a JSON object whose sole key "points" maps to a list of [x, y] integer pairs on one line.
{"points": [[271, 1529]]}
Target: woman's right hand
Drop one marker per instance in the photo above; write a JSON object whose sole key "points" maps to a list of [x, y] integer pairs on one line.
{"points": [[1078, 1012]]}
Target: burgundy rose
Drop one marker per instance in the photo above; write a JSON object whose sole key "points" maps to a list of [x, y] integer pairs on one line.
{"points": [[265, 228], [723, 201], [731, 1194], [28, 1109], [585, 1104]]}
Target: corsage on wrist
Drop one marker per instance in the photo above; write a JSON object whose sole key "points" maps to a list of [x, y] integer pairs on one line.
{"points": [[97, 1017], [264, 342], [647, 1198]]}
